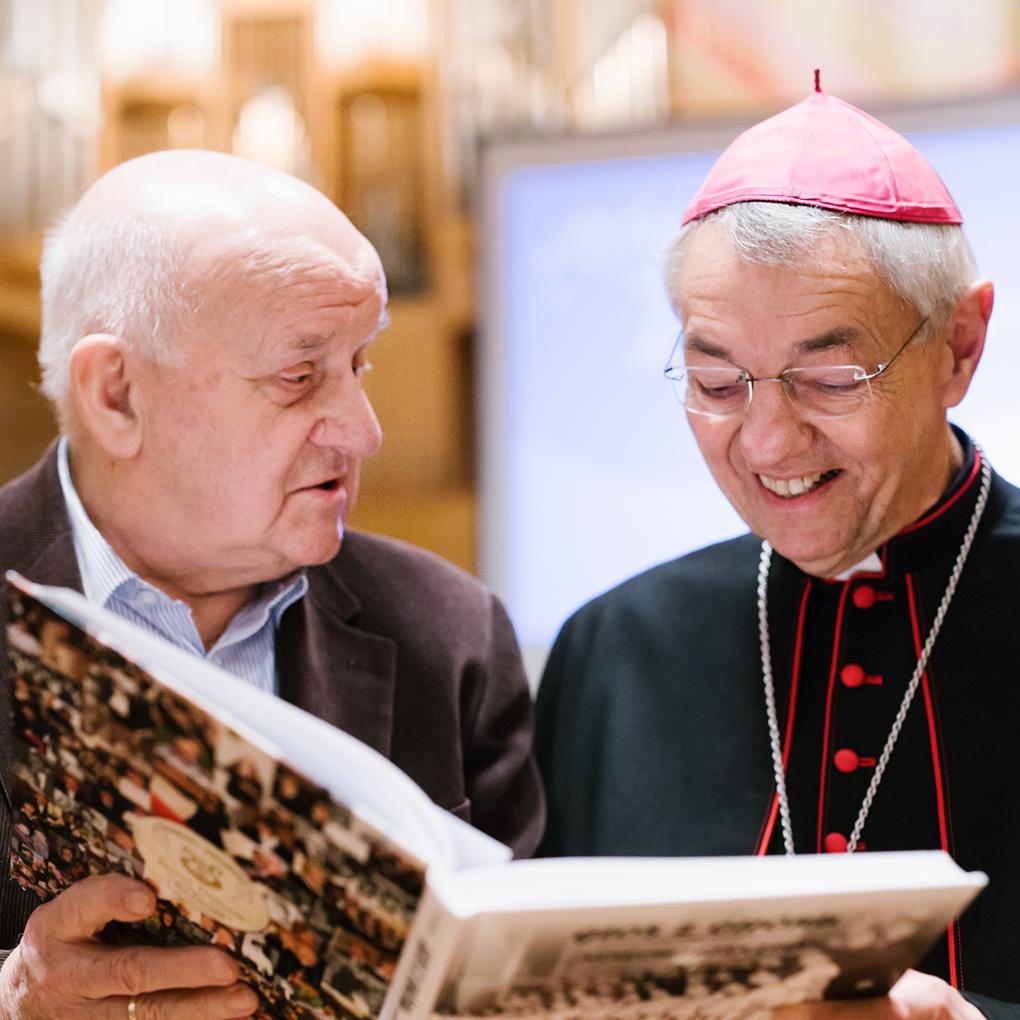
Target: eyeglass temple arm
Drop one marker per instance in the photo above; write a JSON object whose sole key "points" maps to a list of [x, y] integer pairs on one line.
{"points": [[906, 343]]}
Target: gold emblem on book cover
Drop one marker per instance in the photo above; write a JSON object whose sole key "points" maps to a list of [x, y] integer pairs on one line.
{"points": [[190, 871]]}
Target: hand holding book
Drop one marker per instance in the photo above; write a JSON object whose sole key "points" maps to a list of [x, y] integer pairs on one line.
{"points": [[60, 970], [915, 996]]}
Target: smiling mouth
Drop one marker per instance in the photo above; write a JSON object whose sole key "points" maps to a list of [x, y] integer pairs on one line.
{"points": [[791, 488]]}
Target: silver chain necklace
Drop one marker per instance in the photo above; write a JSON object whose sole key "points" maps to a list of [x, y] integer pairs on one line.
{"points": [[764, 564]]}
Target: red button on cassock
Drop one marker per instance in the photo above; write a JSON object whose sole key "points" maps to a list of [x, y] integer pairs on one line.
{"points": [[846, 760], [852, 675], [835, 843], [864, 596]]}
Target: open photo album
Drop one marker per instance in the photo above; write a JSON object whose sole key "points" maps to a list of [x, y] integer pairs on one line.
{"points": [[344, 892]]}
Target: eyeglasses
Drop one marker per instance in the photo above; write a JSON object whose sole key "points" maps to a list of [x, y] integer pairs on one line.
{"points": [[824, 391]]}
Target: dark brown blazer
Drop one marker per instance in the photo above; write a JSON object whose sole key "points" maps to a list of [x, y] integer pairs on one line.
{"points": [[391, 644]]}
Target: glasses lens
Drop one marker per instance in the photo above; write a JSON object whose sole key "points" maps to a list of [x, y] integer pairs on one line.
{"points": [[832, 392], [715, 391]]}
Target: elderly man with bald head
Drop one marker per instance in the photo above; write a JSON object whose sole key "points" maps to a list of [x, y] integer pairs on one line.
{"points": [[206, 326]]}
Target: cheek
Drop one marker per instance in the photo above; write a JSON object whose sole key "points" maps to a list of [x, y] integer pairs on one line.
{"points": [[870, 451], [236, 471], [190, 428]]}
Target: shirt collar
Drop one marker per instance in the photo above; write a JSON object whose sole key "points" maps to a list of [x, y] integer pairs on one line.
{"points": [[270, 603], [103, 572], [869, 565]]}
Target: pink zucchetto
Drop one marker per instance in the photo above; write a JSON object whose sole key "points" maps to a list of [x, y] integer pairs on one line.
{"points": [[825, 152]]}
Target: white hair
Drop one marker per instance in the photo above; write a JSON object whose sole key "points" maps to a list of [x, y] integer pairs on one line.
{"points": [[117, 274], [127, 275], [927, 265]]}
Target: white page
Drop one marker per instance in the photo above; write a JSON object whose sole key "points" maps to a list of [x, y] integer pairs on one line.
{"points": [[606, 881]]}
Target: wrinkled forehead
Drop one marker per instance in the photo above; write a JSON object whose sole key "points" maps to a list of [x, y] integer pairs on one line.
{"points": [[260, 264], [259, 297], [817, 301], [711, 261]]}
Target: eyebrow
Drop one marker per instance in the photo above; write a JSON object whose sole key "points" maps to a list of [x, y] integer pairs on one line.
{"points": [[841, 336], [306, 345], [311, 342]]}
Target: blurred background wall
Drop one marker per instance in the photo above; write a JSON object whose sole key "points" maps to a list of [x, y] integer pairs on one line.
{"points": [[385, 104]]}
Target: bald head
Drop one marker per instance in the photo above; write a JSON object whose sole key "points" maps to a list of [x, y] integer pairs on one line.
{"points": [[139, 253], [198, 194]]}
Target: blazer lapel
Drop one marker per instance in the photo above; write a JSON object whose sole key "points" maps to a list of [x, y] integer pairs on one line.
{"points": [[330, 667]]}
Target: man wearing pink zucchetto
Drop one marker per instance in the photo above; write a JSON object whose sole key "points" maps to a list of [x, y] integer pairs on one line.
{"points": [[844, 678]]}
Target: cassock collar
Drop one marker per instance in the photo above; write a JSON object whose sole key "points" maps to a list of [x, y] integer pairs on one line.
{"points": [[938, 532]]}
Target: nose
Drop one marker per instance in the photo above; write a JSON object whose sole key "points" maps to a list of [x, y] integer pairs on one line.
{"points": [[347, 422], [772, 430]]}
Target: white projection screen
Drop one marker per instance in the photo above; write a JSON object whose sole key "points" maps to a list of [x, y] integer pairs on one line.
{"points": [[588, 472]]}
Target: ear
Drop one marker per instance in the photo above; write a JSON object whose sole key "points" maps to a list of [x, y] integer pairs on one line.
{"points": [[967, 327], [103, 394]]}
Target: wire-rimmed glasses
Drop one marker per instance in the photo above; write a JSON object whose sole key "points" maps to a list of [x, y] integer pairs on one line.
{"points": [[816, 391]]}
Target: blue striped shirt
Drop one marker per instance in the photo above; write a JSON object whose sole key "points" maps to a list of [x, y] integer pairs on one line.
{"points": [[246, 648]]}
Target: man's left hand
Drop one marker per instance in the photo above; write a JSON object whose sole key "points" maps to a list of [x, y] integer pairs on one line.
{"points": [[915, 996]]}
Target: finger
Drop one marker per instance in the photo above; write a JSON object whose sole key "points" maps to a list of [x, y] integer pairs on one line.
{"points": [[922, 994], [85, 908], [137, 970], [231, 1003]]}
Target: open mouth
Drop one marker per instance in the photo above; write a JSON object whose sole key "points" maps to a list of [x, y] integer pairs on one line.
{"points": [[791, 488], [329, 487]]}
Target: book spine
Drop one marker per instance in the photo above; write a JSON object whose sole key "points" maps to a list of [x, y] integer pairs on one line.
{"points": [[424, 961]]}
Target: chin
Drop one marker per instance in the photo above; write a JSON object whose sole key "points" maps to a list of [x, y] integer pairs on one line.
{"points": [[825, 566], [819, 560], [313, 554]]}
